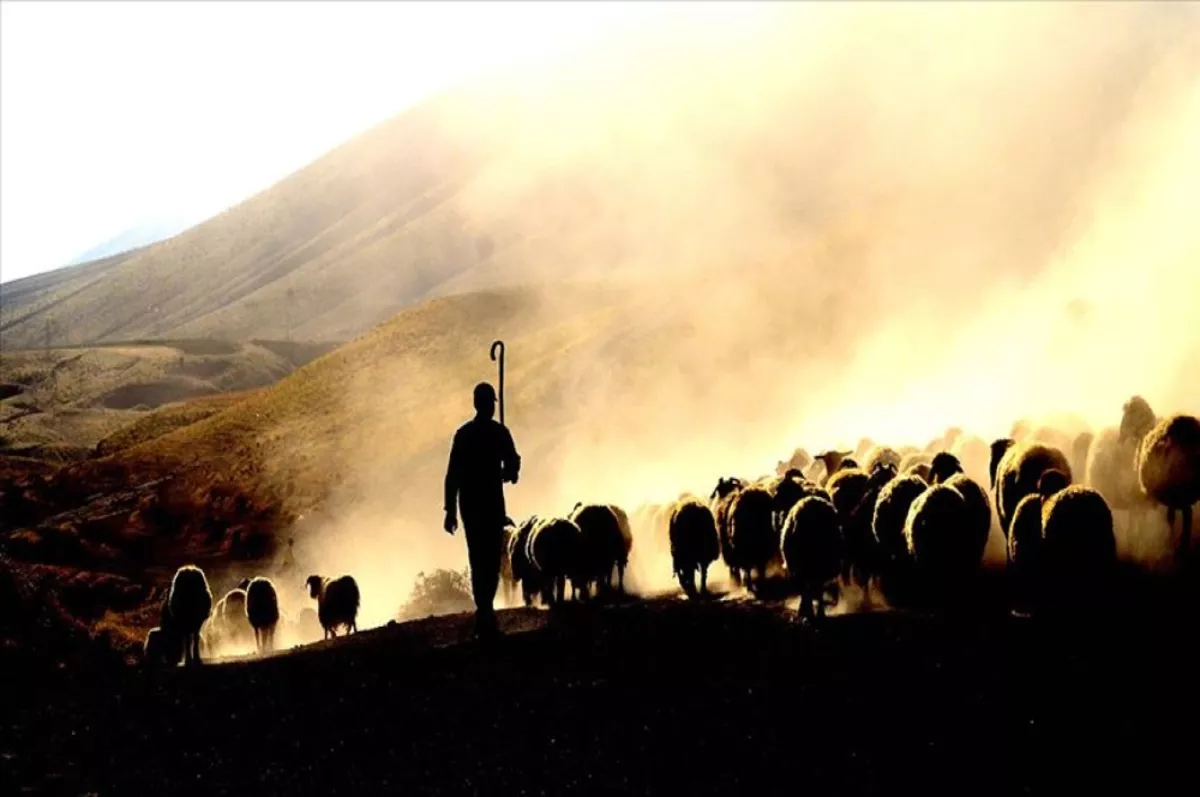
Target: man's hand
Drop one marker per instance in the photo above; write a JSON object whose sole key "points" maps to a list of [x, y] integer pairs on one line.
{"points": [[451, 522]]}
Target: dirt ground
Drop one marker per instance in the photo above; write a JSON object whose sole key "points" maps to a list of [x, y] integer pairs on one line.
{"points": [[662, 696]]}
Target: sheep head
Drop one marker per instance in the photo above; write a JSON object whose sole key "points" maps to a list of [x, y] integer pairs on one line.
{"points": [[1051, 482], [315, 584], [943, 467]]}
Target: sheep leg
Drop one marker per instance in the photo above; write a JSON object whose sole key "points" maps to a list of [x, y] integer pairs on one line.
{"points": [[621, 578], [1185, 537], [561, 591], [704, 579]]}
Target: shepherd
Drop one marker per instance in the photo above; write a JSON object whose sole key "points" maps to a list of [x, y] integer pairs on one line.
{"points": [[482, 458]]}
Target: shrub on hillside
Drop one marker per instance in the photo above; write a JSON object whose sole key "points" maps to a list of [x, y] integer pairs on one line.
{"points": [[440, 592]]}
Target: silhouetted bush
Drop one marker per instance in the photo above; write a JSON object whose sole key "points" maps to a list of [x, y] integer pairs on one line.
{"points": [[439, 592]]}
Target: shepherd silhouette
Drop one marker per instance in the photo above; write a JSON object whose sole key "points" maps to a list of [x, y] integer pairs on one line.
{"points": [[482, 458]]}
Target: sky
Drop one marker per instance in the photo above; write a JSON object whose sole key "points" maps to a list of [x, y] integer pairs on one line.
{"points": [[116, 114]]}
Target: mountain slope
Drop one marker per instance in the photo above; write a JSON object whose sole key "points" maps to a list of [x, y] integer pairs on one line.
{"points": [[678, 148]]}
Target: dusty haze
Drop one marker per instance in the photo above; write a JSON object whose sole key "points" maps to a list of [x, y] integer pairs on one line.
{"points": [[830, 222]]}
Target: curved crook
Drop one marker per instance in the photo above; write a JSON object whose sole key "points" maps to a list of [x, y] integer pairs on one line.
{"points": [[497, 344]]}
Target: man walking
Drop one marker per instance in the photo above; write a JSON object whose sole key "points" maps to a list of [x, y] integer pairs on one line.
{"points": [[482, 458]]}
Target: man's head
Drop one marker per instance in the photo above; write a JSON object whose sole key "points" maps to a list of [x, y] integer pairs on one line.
{"points": [[485, 400]]}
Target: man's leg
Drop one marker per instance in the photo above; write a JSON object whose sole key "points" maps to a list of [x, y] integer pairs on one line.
{"points": [[483, 554]]}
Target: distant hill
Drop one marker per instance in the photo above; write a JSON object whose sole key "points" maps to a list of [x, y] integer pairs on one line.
{"points": [[143, 234]]}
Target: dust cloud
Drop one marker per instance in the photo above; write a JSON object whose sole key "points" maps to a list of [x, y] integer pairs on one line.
{"points": [[827, 222]]}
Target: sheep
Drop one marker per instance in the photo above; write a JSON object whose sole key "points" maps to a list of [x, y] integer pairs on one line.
{"points": [[188, 604], [1168, 466], [555, 550], [891, 511], [262, 611], [1080, 447], [846, 490], [722, 499], [337, 600], [934, 532], [862, 449], [1024, 550], [861, 555], [812, 549], [787, 492], [626, 531], [228, 622], [1015, 470], [831, 462], [916, 463], [603, 544], [799, 460], [694, 543], [753, 541], [880, 455], [942, 467], [162, 647], [979, 511], [1077, 533], [1024, 546]]}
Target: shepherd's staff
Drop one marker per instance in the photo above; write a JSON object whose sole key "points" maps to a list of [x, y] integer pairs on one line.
{"points": [[499, 344]]}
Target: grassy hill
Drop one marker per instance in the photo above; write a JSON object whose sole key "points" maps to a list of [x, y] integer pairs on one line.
{"points": [[60, 403]]}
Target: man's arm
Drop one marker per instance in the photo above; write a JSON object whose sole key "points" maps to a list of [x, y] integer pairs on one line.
{"points": [[453, 468], [512, 460]]}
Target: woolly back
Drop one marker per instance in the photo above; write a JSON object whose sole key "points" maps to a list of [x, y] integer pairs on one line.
{"points": [[811, 543], [555, 547], [262, 603], [879, 455], [190, 599], [934, 530], [1077, 531], [847, 488], [693, 532], [752, 527], [891, 511], [1169, 461]]}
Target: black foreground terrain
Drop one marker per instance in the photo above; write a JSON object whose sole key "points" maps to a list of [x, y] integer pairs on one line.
{"points": [[663, 696]]}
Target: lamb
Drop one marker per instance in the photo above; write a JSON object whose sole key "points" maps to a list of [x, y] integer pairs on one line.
{"points": [[337, 600], [603, 546], [188, 605], [162, 647], [934, 532], [812, 549], [891, 511], [262, 610], [942, 467], [693, 534], [1168, 466], [555, 550], [1015, 470], [753, 541]]}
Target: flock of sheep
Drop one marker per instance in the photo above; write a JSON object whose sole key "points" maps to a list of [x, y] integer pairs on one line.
{"points": [[191, 621], [881, 516], [876, 516]]}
